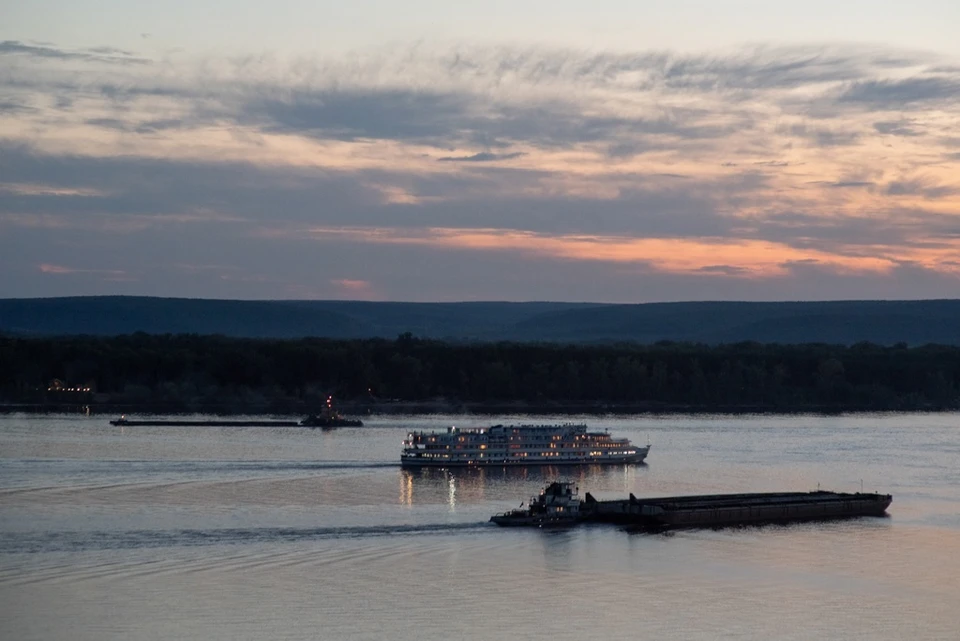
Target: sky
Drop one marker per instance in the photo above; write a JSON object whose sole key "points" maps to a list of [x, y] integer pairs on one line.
{"points": [[415, 150]]}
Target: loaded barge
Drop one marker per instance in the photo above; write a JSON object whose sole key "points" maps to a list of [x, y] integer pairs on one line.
{"points": [[123, 421], [321, 421], [328, 418], [703, 511]]}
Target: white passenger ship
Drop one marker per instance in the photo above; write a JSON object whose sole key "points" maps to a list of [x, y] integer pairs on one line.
{"points": [[517, 445]]}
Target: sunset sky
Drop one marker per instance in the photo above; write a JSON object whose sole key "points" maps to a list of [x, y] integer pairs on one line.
{"points": [[418, 150]]}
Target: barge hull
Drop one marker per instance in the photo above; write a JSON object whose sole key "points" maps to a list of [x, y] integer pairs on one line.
{"points": [[124, 422], [407, 461], [724, 510], [523, 463]]}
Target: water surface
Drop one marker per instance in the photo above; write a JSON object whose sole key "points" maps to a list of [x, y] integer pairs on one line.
{"points": [[292, 533]]}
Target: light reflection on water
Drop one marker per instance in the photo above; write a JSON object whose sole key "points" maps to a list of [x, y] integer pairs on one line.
{"points": [[268, 533]]}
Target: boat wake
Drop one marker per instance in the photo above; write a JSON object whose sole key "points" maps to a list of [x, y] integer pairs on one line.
{"points": [[29, 475], [79, 541]]}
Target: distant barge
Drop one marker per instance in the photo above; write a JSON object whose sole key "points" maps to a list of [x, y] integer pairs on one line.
{"points": [[558, 505], [323, 422], [228, 423], [327, 419]]}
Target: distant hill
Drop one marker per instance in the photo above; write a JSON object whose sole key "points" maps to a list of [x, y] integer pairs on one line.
{"points": [[837, 322]]}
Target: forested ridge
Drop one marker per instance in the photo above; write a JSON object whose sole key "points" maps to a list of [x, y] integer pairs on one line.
{"points": [[194, 373], [915, 322]]}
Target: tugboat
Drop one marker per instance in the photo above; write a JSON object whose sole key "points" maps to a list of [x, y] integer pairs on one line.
{"points": [[558, 505], [329, 418]]}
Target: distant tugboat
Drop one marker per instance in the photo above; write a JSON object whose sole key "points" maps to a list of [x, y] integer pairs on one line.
{"points": [[329, 418]]}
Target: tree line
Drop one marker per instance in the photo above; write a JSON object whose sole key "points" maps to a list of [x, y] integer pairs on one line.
{"points": [[191, 372]]}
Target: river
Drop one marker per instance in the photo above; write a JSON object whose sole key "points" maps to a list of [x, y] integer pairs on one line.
{"points": [[291, 533]]}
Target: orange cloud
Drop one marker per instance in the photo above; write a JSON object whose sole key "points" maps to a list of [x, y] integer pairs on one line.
{"points": [[353, 288], [720, 256], [109, 274], [33, 189], [56, 269]]}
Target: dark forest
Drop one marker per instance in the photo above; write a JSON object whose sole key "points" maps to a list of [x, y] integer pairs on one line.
{"points": [[212, 373]]}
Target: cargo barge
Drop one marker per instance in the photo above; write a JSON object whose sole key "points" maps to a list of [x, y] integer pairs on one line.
{"points": [[327, 419], [700, 511], [722, 510], [122, 421]]}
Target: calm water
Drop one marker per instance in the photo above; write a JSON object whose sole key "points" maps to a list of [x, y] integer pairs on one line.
{"points": [[290, 533]]}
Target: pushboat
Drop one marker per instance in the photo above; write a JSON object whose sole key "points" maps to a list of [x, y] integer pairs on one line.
{"points": [[558, 505]]}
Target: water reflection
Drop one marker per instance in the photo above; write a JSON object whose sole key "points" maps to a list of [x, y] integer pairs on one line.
{"points": [[406, 488], [469, 485], [556, 549]]}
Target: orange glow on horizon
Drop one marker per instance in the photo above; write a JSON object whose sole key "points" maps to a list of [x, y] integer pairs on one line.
{"points": [[720, 256]]}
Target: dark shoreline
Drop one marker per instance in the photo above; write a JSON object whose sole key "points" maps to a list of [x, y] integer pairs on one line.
{"points": [[480, 409]]}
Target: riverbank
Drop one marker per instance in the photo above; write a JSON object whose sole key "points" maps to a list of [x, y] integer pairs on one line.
{"points": [[353, 408]]}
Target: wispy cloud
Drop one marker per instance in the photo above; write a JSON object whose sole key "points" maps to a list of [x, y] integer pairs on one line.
{"points": [[928, 188], [29, 189], [93, 54], [107, 274], [762, 164], [910, 93], [901, 127], [483, 156], [849, 183]]}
